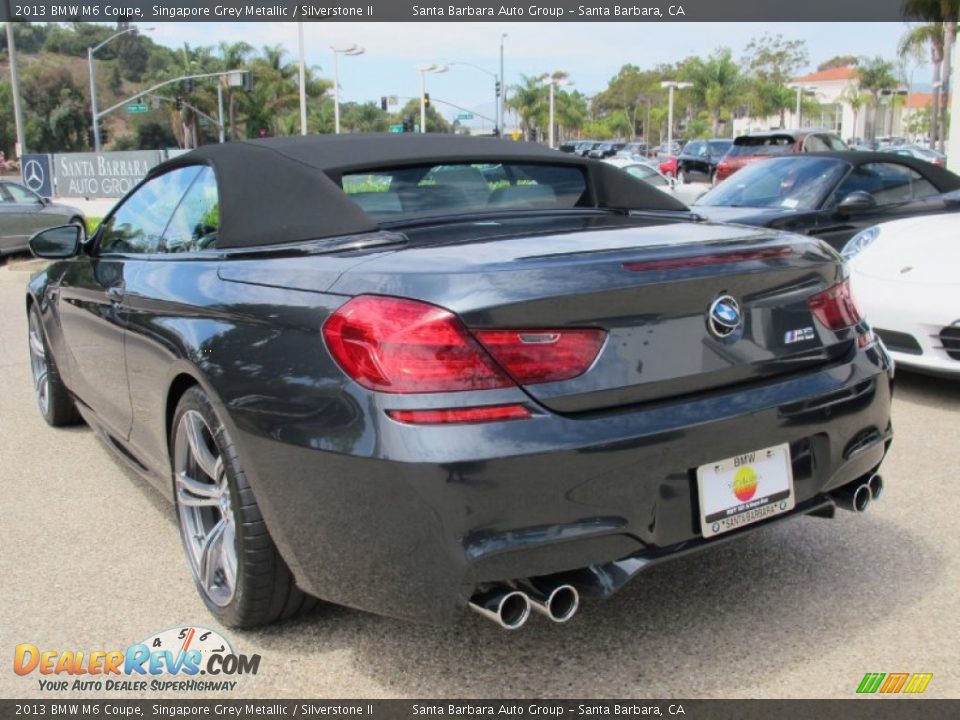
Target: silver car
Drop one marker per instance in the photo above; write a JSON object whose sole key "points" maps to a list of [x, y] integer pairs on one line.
{"points": [[23, 213]]}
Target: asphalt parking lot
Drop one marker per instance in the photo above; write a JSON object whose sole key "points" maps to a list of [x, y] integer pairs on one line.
{"points": [[91, 560]]}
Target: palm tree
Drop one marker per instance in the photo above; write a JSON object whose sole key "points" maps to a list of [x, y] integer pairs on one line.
{"points": [[856, 100], [876, 76], [716, 84], [232, 57], [528, 100], [914, 42], [944, 13]]}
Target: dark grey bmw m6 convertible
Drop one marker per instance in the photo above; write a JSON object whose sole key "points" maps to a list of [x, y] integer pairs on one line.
{"points": [[417, 374]]}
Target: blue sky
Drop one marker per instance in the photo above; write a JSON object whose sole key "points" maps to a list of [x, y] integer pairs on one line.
{"points": [[591, 52]]}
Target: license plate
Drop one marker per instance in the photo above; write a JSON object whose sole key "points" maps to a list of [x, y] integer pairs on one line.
{"points": [[745, 489]]}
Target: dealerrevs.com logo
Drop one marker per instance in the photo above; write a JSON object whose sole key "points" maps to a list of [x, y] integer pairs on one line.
{"points": [[184, 659]]}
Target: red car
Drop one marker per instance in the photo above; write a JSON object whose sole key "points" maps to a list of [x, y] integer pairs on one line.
{"points": [[669, 166], [757, 146]]}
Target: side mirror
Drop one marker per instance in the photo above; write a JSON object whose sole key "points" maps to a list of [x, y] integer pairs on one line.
{"points": [[857, 201], [57, 243]]}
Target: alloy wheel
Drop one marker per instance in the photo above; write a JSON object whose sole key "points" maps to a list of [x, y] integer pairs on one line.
{"points": [[38, 364], [205, 509]]}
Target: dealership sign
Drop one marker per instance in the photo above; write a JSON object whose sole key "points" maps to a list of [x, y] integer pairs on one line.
{"points": [[105, 175], [35, 173]]}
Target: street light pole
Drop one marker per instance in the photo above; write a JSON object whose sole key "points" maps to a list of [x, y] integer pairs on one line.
{"points": [[503, 88], [552, 85], [555, 79], [93, 83], [220, 107], [337, 51], [424, 69], [423, 101], [303, 83], [671, 85], [93, 102], [15, 89], [496, 83]]}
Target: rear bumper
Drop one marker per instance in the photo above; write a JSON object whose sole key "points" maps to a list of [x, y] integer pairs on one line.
{"points": [[406, 521]]}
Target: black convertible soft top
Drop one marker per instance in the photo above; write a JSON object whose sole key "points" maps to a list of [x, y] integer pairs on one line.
{"points": [[281, 190]]}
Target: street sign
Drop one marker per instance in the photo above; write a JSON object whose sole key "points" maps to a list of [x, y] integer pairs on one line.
{"points": [[465, 116], [392, 100], [137, 108], [396, 128]]}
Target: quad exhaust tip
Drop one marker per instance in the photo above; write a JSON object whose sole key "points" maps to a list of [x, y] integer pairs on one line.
{"points": [[508, 608], [559, 603]]}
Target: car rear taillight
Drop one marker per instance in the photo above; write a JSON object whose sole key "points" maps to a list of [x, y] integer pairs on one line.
{"points": [[540, 356], [395, 345], [723, 167], [451, 416], [835, 307], [404, 346]]}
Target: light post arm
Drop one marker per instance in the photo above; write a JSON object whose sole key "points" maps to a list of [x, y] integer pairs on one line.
{"points": [[150, 90]]}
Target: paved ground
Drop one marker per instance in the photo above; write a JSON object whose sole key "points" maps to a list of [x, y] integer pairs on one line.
{"points": [[91, 560]]}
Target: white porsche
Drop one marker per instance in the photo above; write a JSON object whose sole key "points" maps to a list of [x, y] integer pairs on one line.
{"points": [[906, 276]]}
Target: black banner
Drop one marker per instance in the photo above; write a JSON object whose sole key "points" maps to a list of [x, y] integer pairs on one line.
{"points": [[857, 11], [864, 709]]}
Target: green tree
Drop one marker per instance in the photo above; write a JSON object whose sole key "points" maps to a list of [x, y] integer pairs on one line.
{"points": [[233, 56], [716, 85], [55, 116], [942, 13], [838, 61], [876, 76], [631, 91], [856, 99], [435, 121], [529, 100], [771, 63]]}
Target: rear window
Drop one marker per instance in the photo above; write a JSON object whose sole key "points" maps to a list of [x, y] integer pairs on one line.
{"points": [[719, 147], [408, 192], [766, 145]]}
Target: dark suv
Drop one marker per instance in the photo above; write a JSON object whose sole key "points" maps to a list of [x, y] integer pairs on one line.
{"points": [[700, 158], [757, 146]]}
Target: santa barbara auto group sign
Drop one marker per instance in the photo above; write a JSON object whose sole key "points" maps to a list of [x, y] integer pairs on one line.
{"points": [[106, 175]]}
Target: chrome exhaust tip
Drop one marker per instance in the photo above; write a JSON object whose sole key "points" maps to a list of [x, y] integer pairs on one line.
{"points": [[854, 498], [508, 608], [559, 603], [876, 486]]}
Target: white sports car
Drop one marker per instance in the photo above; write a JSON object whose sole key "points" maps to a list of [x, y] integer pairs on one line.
{"points": [[904, 275]]}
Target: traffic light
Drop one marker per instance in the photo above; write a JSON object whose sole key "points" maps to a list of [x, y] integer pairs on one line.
{"points": [[189, 85], [248, 81], [179, 102], [426, 99], [497, 86], [383, 103]]}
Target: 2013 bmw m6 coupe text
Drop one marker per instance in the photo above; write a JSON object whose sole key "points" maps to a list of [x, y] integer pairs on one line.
{"points": [[418, 374]]}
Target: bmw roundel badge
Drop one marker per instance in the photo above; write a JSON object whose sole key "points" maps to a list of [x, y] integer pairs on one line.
{"points": [[723, 317]]}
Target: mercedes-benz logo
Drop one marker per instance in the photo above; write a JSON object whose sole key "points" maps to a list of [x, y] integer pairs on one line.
{"points": [[723, 316], [33, 175]]}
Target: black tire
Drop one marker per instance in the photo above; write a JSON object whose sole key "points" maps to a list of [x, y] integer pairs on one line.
{"points": [[264, 588], [54, 400]]}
